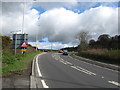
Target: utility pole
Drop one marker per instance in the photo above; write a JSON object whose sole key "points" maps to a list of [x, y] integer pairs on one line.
{"points": [[23, 16], [15, 42], [36, 39], [15, 47], [51, 46], [24, 40], [23, 23]]}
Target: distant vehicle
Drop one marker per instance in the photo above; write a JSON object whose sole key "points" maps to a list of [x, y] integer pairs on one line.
{"points": [[65, 52], [45, 50], [60, 51]]}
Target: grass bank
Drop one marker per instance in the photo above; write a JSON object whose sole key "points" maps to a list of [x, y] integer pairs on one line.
{"points": [[102, 55], [11, 62]]}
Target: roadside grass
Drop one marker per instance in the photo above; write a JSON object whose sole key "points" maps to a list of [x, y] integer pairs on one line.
{"points": [[11, 63], [102, 55]]}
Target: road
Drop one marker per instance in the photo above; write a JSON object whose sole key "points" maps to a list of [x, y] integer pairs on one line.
{"points": [[55, 70]]}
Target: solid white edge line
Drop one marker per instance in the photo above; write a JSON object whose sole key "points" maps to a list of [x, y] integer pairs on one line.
{"points": [[115, 83], [44, 84], [39, 73]]}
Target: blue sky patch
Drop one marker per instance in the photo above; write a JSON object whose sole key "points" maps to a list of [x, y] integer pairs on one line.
{"points": [[79, 8], [40, 9]]}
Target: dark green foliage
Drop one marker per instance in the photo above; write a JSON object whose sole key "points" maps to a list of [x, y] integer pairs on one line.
{"points": [[106, 42], [8, 57], [70, 49], [110, 56], [6, 42]]}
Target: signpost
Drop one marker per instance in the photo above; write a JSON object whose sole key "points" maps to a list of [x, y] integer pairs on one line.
{"points": [[20, 41], [24, 46]]}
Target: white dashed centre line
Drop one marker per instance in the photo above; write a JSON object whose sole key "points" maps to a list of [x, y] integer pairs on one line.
{"points": [[81, 70], [71, 65]]}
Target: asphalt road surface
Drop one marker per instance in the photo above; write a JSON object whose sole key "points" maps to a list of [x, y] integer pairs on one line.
{"points": [[62, 71]]}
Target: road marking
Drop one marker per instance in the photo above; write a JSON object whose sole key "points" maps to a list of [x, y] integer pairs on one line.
{"points": [[115, 83], [62, 59], [102, 77], [68, 63], [76, 67], [81, 70], [39, 73], [44, 84], [93, 64], [56, 59], [63, 62], [86, 70]]}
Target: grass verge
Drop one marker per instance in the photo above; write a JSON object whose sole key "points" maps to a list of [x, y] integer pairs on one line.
{"points": [[11, 63], [106, 56]]}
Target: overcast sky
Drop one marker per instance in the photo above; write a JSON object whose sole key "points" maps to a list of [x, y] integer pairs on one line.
{"points": [[59, 22]]}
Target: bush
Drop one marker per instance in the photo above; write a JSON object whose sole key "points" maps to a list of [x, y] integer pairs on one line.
{"points": [[8, 57], [107, 56]]}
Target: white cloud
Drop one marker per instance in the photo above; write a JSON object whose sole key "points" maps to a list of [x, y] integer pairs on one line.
{"points": [[62, 25], [12, 20], [54, 46], [59, 24]]}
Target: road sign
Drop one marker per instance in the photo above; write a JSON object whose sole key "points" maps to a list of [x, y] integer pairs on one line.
{"points": [[23, 50], [24, 44], [18, 39]]}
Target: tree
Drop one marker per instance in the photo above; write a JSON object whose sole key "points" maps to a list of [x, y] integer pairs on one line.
{"points": [[83, 37], [115, 42], [92, 43], [6, 42], [104, 40]]}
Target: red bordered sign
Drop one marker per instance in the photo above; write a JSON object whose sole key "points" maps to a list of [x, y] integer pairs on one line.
{"points": [[24, 44]]}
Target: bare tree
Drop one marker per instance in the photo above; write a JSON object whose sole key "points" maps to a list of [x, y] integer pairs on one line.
{"points": [[83, 37]]}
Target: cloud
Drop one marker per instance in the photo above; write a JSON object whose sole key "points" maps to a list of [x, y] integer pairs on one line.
{"points": [[59, 24], [54, 46], [56, 23], [12, 19], [62, 25], [100, 20]]}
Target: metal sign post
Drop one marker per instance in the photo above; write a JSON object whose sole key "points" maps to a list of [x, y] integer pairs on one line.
{"points": [[15, 42], [19, 41]]}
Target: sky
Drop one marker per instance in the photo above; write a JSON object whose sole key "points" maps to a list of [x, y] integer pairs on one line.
{"points": [[56, 24]]}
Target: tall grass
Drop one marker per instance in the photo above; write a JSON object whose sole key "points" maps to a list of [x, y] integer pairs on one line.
{"points": [[103, 55], [11, 62]]}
